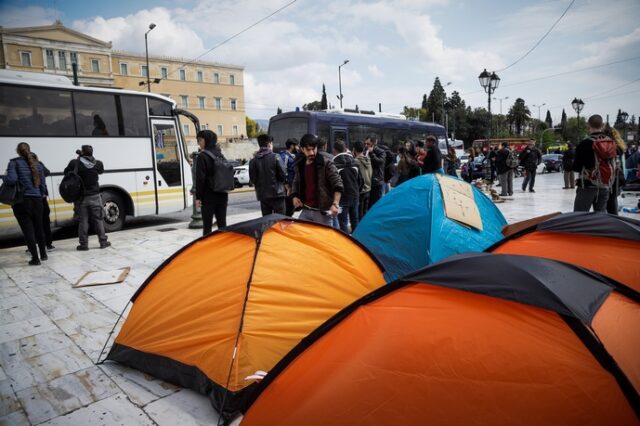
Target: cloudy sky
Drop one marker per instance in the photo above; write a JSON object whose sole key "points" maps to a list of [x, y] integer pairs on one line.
{"points": [[396, 48]]}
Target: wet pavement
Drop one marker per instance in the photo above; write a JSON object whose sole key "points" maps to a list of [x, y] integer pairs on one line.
{"points": [[51, 334]]}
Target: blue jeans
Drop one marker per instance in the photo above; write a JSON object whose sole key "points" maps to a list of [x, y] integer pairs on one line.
{"points": [[316, 216], [348, 214]]}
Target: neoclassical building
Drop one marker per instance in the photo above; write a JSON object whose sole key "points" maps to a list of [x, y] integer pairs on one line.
{"points": [[213, 92]]}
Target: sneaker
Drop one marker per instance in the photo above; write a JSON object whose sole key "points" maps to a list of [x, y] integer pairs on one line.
{"points": [[532, 190], [565, 187], [44, 257], [51, 247], [105, 245], [82, 248], [34, 262]]}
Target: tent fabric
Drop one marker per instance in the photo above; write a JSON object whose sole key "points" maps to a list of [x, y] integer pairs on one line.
{"points": [[606, 244], [407, 229], [418, 352], [232, 303]]}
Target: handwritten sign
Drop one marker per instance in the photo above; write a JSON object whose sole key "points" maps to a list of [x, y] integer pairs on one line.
{"points": [[459, 202]]}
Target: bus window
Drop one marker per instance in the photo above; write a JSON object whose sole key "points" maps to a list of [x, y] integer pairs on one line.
{"points": [[26, 111], [338, 134], [322, 129], [281, 130], [160, 108], [167, 157], [96, 114], [134, 116]]}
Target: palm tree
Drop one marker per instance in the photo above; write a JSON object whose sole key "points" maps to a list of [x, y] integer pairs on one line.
{"points": [[519, 115]]}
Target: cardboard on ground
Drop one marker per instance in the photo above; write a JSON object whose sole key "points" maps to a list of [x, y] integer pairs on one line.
{"points": [[103, 277], [459, 203]]}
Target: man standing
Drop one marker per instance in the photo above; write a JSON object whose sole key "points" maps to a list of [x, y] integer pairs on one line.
{"points": [[90, 208], [530, 157], [505, 173], [351, 182], [288, 158], [268, 176], [567, 167], [209, 201], [377, 157], [364, 167], [592, 191], [433, 160], [317, 187]]}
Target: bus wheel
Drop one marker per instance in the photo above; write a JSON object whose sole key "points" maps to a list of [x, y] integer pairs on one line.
{"points": [[114, 212]]}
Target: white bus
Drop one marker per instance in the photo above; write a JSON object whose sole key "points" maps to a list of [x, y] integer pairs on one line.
{"points": [[137, 135]]}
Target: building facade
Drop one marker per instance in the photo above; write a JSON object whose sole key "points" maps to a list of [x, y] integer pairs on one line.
{"points": [[213, 92]]}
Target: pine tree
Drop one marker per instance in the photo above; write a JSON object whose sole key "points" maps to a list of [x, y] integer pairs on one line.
{"points": [[323, 101], [548, 120], [424, 102], [435, 101]]}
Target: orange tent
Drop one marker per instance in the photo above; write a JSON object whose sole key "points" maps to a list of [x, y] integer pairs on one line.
{"points": [[607, 244], [478, 339], [237, 300]]}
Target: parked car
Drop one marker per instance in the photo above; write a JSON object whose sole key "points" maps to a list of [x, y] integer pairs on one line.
{"points": [[550, 163], [241, 175], [476, 166]]}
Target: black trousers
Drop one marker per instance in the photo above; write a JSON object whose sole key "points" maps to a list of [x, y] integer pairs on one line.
{"points": [[28, 213], [288, 206], [214, 203], [46, 222], [375, 194], [363, 206], [272, 205]]}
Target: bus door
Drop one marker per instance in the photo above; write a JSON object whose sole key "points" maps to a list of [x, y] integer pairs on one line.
{"points": [[338, 133], [167, 181]]}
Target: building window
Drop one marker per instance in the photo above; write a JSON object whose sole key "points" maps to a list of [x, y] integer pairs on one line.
{"points": [[73, 56], [232, 79], [50, 61], [164, 72], [201, 102], [234, 104], [216, 78], [184, 100], [183, 75], [95, 65], [217, 103], [62, 59], [144, 71], [124, 69], [236, 132], [200, 77], [204, 126], [25, 59], [219, 128], [185, 129]]}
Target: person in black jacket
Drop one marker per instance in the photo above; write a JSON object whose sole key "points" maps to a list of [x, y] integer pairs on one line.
{"points": [[567, 167], [505, 173], [208, 201], [90, 208], [351, 182], [268, 175], [377, 157], [530, 157], [590, 192], [433, 160]]}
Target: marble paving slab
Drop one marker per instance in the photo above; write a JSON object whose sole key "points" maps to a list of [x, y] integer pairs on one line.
{"points": [[114, 410], [17, 418], [25, 328], [184, 407], [66, 394], [8, 400], [33, 346]]}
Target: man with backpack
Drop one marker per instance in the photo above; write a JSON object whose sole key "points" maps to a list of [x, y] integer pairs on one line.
{"points": [[506, 161], [267, 174], [90, 207], [595, 164], [530, 157], [214, 181]]}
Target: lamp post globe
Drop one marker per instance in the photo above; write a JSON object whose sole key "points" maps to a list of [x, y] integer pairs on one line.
{"points": [[577, 105]]}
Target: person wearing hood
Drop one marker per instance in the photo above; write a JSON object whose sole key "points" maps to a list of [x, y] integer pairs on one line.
{"points": [[268, 176], [209, 201], [351, 182], [366, 170], [90, 208]]}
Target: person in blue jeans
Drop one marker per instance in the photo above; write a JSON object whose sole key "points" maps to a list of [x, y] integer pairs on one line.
{"points": [[28, 172], [351, 182]]}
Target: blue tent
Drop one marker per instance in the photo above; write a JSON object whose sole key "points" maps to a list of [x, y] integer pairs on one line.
{"points": [[407, 229]]}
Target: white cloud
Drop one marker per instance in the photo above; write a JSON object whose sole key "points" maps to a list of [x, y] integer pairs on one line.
{"points": [[375, 71]]}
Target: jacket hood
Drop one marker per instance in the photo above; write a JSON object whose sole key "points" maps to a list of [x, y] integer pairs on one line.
{"points": [[88, 161], [366, 161], [263, 152], [343, 158]]}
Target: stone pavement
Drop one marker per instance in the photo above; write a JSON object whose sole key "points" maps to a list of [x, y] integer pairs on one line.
{"points": [[51, 334]]}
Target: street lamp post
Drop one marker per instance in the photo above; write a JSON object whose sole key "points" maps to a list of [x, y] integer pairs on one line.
{"points": [[346, 61], [578, 106], [446, 136], [624, 117], [146, 48], [489, 82], [501, 99], [539, 106]]}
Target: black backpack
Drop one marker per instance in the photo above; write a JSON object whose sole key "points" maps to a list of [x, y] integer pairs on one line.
{"points": [[222, 178], [71, 187], [389, 165]]}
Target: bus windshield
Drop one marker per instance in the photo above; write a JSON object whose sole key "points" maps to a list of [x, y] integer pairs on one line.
{"points": [[281, 130]]}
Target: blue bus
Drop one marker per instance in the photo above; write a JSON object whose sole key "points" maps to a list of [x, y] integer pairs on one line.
{"points": [[392, 130]]}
